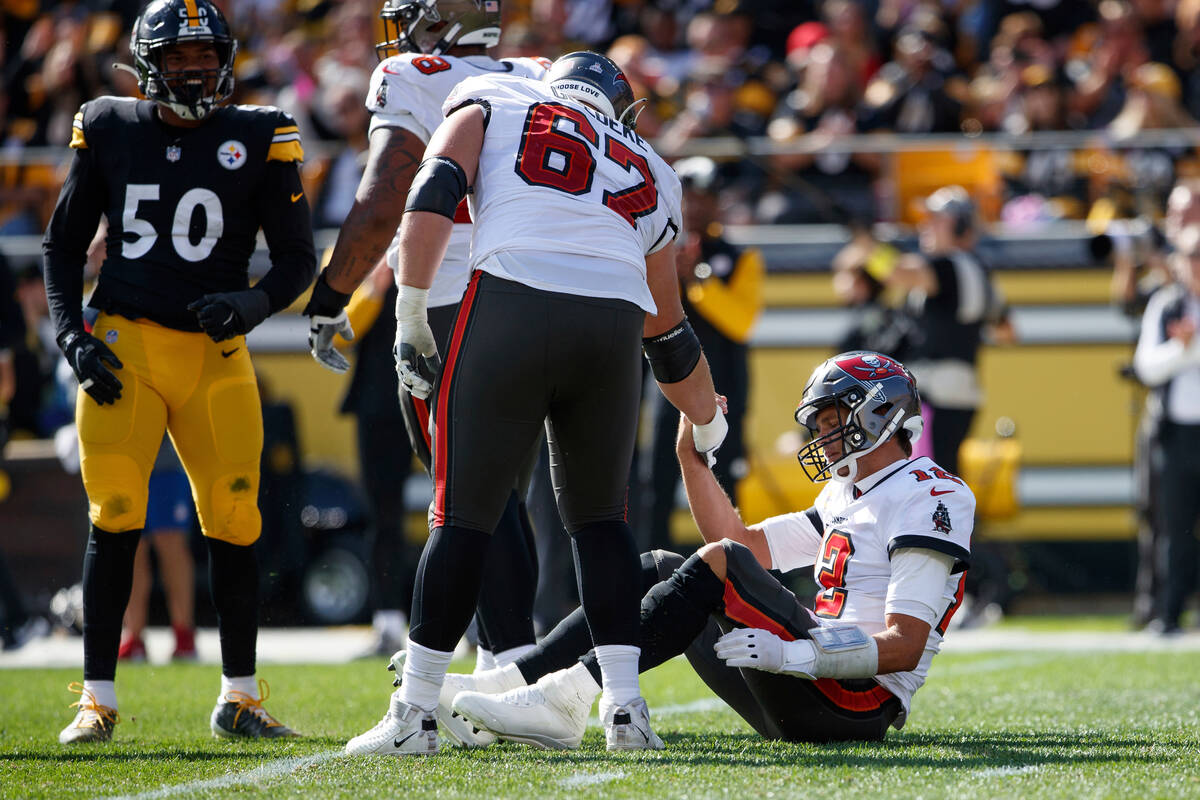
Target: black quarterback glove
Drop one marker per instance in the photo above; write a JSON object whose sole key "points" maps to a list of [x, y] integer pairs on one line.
{"points": [[88, 356], [229, 314]]}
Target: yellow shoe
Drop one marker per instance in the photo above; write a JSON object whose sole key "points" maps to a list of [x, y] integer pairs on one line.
{"points": [[93, 723], [238, 715]]}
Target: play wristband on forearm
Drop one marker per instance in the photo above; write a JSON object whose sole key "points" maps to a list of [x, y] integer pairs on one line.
{"points": [[844, 651], [411, 303], [326, 301], [439, 186], [673, 355]]}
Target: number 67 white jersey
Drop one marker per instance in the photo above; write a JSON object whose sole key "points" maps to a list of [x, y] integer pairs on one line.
{"points": [[565, 199]]}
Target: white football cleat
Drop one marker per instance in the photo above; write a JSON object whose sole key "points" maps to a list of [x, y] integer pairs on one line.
{"points": [[404, 731], [92, 723], [552, 714], [627, 727], [459, 731]]}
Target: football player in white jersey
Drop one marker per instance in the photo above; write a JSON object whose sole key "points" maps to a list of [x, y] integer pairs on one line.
{"points": [[430, 45], [573, 274], [888, 540]]}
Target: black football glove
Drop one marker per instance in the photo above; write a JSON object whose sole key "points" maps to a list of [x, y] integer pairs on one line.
{"points": [[88, 356], [228, 314], [326, 312]]}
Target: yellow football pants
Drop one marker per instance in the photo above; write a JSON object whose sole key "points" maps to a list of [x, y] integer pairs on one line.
{"points": [[205, 395]]}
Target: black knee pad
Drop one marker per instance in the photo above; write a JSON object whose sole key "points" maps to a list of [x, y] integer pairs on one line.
{"points": [[662, 562]]}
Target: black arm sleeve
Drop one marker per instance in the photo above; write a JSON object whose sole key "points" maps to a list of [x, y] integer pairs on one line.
{"points": [[65, 245], [287, 226]]}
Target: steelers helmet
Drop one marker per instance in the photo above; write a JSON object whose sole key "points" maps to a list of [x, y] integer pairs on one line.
{"points": [[596, 80], [876, 396], [192, 94], [434, 26]]}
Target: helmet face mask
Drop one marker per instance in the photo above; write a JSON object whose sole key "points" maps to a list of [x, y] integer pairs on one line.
{"points": [[597, 81], [434, 26], [163, 26], [875, 397]]}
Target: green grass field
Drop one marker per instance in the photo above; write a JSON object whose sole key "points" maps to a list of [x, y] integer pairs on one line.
{"points": [[988, 724]]}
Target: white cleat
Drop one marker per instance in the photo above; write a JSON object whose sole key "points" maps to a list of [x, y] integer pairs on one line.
{"points": [[459, 730], [404, 731], [552, 714], [627, 727]]}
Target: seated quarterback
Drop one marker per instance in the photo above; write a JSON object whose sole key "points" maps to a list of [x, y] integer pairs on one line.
{"points": [[888, 542]]}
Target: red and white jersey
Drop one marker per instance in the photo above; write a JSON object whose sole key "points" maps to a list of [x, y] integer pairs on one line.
{"points": [[565, 199], [407, 91], [849, 541]]}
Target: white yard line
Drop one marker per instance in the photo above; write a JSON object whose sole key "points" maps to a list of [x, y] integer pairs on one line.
{"points": [[266, 772], [589, 779], [1004, 772]]}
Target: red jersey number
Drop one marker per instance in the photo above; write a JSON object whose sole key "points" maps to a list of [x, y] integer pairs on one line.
{"points": [[836, 551], [557, 152], [427, 65]]}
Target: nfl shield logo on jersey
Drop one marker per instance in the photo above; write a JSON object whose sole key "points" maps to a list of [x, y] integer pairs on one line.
{"points": [[231, 154], [110, 336], [941, 518], [174, 153]]}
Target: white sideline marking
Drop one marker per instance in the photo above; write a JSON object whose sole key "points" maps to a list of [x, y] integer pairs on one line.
{"points": [[589, 779], [269, 770], [1004, 772]]}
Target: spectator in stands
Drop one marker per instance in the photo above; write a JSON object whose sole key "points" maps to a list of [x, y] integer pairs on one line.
{"points": [[1100, 75], [722, 296], [1168, 360], [341, 109], [170, 517], [821, 187], [917, 91], [1186, 56]]}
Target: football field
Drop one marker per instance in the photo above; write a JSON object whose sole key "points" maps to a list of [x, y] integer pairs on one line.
{"points": [[1033, 714]]}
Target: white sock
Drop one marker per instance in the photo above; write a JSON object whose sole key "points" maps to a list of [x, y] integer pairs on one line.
{"points": [[247, 685], [103, 693], [424, 672], [389, 622], [506, 657], [619, 670], [579, 679], [484, 660]]}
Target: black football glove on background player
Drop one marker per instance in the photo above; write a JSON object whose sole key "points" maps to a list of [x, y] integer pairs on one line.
{"points": [[326, 312], [227, 314], [88, 357]]}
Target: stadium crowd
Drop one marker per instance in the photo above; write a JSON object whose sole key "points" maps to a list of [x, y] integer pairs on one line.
{"points": [[741, 68]]}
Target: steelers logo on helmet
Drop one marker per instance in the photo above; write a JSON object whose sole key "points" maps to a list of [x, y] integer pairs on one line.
{"points": [[164, 24], [874, 396], [434, 26]]}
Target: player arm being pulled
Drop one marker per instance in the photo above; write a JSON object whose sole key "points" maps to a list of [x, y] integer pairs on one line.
{"points": [[444, 178]]}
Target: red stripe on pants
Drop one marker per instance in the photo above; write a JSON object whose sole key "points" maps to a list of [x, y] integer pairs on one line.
{"points": [[738, 610], [443, 404]]}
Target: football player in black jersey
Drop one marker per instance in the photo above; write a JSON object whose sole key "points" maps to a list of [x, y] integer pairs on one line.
{"points": [[186, 183]]}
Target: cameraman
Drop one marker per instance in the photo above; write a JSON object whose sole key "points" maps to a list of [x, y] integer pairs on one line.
{"points": [[1167, 359], [951, 298]]}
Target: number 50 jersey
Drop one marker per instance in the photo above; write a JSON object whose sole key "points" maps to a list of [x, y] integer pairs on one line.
{"points": [[565, 199]]}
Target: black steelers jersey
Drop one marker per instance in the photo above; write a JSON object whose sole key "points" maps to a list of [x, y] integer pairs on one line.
{"points": [[184, 207]]}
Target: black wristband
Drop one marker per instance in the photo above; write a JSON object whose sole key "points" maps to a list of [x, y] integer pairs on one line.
{"points": [[325, 301], [673, 354]]}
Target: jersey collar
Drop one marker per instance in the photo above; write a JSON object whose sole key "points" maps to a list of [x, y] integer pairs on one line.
{"points": [[864, 485]]}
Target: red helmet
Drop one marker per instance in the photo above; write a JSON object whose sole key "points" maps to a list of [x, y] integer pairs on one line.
{"points": [[876, 396]]}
